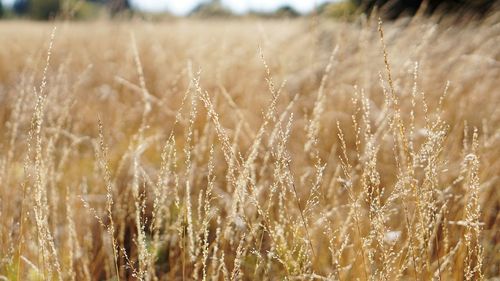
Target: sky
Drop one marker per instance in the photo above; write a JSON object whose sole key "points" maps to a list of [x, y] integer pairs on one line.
{"points": [[182, 7]]}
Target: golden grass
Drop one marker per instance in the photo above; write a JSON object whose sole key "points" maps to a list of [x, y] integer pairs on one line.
{"points": [[250, 150]]}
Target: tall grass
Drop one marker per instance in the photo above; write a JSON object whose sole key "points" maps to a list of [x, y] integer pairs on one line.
{"points": [[274, 150]]}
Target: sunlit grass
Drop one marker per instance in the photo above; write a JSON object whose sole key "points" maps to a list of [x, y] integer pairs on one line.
{"points": [[250, 150]]}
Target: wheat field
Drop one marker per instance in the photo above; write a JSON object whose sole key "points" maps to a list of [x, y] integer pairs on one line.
{"points": [[304, 149]]}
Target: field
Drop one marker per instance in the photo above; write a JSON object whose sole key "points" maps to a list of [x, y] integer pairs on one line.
{"points": [[250, 149]]}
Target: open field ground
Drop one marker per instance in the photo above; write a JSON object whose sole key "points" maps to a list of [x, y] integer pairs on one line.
{"points": [[250, 150]]}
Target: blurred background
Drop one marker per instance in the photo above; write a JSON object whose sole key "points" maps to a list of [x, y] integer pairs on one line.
{"points": [[164, 9]]}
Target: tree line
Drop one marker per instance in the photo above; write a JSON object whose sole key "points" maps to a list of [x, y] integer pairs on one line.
{"points": [[49, 9], [391, 9]]}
